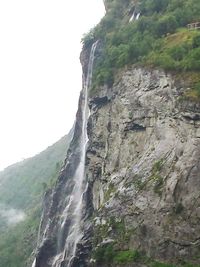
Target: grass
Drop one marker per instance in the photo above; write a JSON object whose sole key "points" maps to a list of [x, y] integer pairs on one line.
{"points": [[126, 256], [156, 178], [182, 36], [108, 254], [161, 264], [111, 190]]}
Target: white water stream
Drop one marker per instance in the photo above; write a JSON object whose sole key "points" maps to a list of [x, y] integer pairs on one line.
{"points": [[34, 263], [135, 16], [67, 251]]}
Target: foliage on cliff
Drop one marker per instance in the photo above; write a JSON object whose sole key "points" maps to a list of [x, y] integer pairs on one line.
{"points": [[22, 188], [158, 38]]}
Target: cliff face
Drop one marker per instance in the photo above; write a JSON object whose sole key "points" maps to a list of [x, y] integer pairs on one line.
{"points": [[142, 170], [143, 163]]}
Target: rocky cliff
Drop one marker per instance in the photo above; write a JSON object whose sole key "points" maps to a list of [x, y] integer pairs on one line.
{"points": [[143, 164], [143, 171], [142, 203]]}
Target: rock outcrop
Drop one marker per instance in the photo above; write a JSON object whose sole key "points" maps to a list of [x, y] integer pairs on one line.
{"points": [[143, 164]]}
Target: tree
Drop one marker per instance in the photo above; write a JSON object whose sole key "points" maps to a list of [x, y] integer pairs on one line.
{"points": [[166, 24]]}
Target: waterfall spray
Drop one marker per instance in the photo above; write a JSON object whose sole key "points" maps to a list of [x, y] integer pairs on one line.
{"points": [[67, 248]]}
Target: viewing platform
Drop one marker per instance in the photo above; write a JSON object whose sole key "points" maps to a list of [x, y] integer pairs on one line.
{"points": [[193, 26]]}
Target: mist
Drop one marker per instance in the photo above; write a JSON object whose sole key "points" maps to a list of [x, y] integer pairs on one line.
{"points": [[11, 216]]}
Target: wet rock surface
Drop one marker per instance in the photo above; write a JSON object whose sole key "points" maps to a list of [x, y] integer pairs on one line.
{"points": [[143, 163], [143, 173]]}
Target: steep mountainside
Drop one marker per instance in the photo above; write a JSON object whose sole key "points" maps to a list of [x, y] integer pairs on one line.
{"points": [[21, 188], [143, 163], [140, 202]]}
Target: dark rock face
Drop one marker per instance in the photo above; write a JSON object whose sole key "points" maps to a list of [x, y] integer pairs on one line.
{"points": [[99, 101], [131, 126], [55, 202]]}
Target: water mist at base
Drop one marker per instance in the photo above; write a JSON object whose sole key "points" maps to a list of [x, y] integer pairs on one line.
{"points": [[69, 230]]}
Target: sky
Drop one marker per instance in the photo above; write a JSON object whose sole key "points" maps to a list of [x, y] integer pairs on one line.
{"points": [[40, 73]]}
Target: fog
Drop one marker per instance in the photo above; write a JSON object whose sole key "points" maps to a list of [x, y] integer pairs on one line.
{"points": [[11, 216]]}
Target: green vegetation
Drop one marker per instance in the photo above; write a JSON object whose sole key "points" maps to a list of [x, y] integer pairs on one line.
{"points": [[17, 242], [157, 166], [113, 253], [22, 188], [104, 254], [161, 264], [126, 256], [107, 254], [194, 93], [23, 183], [179, 51], [156, 178], [118, 229], [158, 185], [111, 190], [178, 208], [159, 38], [138, 183]]}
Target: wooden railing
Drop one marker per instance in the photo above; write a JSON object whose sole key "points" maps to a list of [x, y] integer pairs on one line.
{"points": [[194, 26]]}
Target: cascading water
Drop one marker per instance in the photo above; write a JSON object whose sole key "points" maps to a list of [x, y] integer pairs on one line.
{"points": [[132, 17], [34, 263], [135, 16], [66, 249]]}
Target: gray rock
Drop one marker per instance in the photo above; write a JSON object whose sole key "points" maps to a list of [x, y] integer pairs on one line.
{"points": [[147, 146]]}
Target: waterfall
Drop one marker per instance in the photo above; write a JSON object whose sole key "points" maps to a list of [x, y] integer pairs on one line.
{"points": [[73, 210], [34, 263], [132, 17], [135, 16]]}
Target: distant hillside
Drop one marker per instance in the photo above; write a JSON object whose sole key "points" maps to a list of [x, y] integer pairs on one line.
{"points": [[21, 189], [22, 183]]}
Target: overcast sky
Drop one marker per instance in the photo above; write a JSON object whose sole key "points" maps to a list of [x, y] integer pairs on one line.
{"points": [[40, 74]]}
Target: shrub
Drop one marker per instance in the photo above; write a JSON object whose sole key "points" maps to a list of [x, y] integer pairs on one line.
{"points": [[104, 254], [192, 60], [107, 254], [178, 208], [178, 52], [126, 256], [157, 166], [88, 39], [166, 24], [196, 41], [151, 6]]}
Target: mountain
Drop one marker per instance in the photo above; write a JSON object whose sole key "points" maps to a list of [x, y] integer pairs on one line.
{"points": [[22, 186], [128, 194]]}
